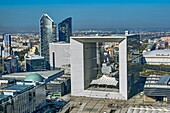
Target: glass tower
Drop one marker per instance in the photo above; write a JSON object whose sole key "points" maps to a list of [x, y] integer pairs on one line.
{"points": [[6, 45], [47, 35], [65, 30], [1, 61], [133, 64]]}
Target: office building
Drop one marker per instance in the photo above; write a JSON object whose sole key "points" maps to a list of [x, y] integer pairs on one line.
{"points": [[38, 76], [84, 66], [34, 63], [158, 87], [11, 64], [1, 59], [56, 88], [60, 86], [157, 57], [1, 48], [6, 45], [26, 98], [65, 30], [6, 104], [4, 82], [59, 54], [47, 35]]}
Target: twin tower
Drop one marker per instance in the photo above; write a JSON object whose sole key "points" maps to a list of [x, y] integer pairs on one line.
{"points": [[48, 34]]}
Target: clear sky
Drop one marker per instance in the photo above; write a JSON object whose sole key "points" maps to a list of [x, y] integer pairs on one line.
{"points": [[23, 15]]}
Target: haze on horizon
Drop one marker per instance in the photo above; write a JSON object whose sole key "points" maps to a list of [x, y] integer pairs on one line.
{"points": [[24, 15]]}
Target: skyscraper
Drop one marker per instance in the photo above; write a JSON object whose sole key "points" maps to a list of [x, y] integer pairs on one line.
{"points": [[1, 48], [1, 62], [6, 45], [65, 30], [47, 35]]}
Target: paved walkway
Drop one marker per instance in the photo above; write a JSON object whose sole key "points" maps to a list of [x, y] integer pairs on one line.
{"points": [[102, 105]]}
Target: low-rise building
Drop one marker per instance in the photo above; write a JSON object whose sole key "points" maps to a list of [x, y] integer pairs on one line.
{"points": [[55, 88], [59, 86], [46, 75], [6, 104], [4, 82], [26, 98], [158, 87], [34, 63], [157, 57]]}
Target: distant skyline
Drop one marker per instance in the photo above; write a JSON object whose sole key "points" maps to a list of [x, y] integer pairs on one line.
{"points": [[24, 15]]}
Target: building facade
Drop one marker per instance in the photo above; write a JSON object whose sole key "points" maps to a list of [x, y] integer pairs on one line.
{"points": [[65, 30], [34, 63], [84, 66], [6, 104], [11, 64], [59, 86], [47, 35], [24, 98], [1, 48], [59, 54], [157, 57], [1, 59], [158, 87], [6, 45]]}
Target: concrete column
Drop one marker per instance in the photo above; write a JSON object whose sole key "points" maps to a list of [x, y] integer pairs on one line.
{"points": [[77, 67], [123, 85]]}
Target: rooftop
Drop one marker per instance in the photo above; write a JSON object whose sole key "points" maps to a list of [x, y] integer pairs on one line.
{"points": [[164, 80], [33, 57], [100, 38], [158, 81], [46, 15], [6, 79], [47, 74], [112, 38], [59, 43], [17, 88], [34, 77], [3, 97], [22, 75], [157, 53]]}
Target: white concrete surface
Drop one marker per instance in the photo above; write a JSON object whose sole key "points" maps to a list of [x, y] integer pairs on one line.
{"points": [[82, 66], [61, 53]]}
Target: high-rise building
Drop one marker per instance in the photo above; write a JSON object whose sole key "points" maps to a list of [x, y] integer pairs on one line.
{"points": [[11, 64], [47, 35], [65, 30], [59, 54], [6, 45], [84, 67], [1, 48], [1, 61]]}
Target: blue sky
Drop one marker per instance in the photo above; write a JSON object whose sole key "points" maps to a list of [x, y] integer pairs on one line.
{"points": [[35, 2], [23, 15]]}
